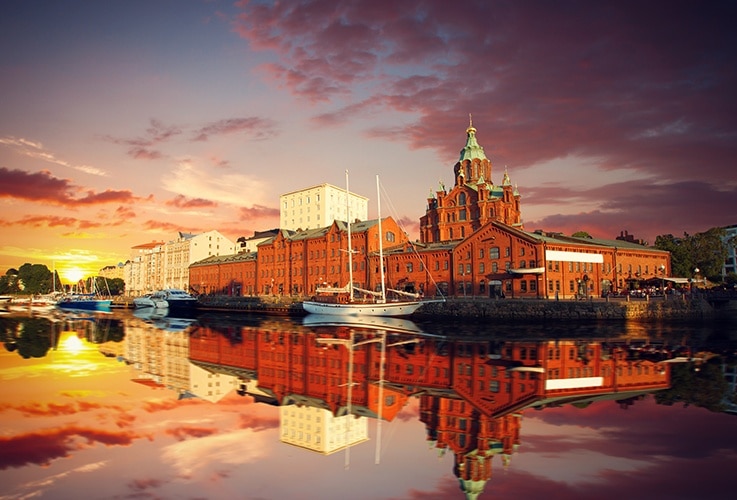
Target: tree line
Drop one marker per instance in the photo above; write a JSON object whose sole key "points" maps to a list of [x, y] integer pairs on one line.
{"points": [[37, 279]]}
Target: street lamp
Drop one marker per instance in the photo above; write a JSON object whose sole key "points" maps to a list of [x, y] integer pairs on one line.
{"points": [[351, 344], [662, 279]]}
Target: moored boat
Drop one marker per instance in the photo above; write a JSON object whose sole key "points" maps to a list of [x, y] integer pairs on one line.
{"points": [[342, 302], [85, 301], [175, 299], [150, 300]]}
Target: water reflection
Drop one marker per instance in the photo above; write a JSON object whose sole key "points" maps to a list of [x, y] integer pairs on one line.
{"points": [[333, 384]]}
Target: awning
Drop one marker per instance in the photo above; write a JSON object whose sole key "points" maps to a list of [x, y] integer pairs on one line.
{"points": [[528, 270], [681, 281]]}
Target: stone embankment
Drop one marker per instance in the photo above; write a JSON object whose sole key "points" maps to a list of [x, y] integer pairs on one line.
{"points": [[502, 309], [568, 310]]}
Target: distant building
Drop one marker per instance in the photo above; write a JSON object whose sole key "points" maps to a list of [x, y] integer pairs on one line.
{"points": [[158, 265], [319, 206], [630, 238], [251, 244], [113, 272], [730, 263]]}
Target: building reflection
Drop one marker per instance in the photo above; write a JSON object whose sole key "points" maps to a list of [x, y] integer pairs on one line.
{"points": [[472, 392]]}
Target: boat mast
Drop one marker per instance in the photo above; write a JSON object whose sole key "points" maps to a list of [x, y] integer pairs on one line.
{"points": [[350, 245], [381, 244]]}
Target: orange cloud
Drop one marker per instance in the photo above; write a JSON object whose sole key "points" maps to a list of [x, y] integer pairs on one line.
{"points": [[181, 201], [258, 212]]}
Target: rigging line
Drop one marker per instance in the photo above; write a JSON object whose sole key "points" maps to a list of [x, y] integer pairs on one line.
{"points": [[416, 254]]}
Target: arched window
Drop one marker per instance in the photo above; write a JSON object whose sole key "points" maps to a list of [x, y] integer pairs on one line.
{"points": [[462, 199]]}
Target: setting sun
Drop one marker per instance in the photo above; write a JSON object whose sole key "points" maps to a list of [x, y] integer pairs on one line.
{"points": [[72, 275]]}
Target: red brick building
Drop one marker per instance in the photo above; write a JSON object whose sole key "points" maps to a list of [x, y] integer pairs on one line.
{"points": [[472, 243]]}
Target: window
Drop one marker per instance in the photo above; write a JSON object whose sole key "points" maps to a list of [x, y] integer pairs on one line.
{"points": [[409, 267], [390, 237], [494, 253], [462, 200], [462, 215]]}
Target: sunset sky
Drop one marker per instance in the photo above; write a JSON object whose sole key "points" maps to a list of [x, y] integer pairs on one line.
{"points": [[124, 122]]}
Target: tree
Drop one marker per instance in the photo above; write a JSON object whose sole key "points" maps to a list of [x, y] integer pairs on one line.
{"points": [[36, 278], [9, 282], [705, 251], [581, 234]]}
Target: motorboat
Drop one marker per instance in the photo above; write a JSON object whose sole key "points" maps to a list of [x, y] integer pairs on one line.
{"points": [[175, 299], [150, 300]]}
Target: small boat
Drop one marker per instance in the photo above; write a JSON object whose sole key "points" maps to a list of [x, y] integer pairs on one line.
{"points": [[175, 299], [150, 301], [85, 301], [92, 301]]}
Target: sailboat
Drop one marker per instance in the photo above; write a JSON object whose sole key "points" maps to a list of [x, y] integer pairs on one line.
{"points": [[342, 301], [87, 301]]}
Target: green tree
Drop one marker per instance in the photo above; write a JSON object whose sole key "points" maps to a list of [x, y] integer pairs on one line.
{"points": [[36, 278], [710, 252], [9, 282], [705, 251], [581, 234]]}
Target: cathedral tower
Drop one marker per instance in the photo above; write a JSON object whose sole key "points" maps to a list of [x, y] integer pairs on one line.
{"points": [[473, 200]]}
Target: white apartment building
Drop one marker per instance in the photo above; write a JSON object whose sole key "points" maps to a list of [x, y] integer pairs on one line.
{"points": [[319, 206], [158, 265]]}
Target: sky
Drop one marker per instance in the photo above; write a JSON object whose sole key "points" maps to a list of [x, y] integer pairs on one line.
{"points": [[124, 122]]}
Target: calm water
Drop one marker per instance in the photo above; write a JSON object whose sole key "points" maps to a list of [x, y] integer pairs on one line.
{"points": [[120, 406]]}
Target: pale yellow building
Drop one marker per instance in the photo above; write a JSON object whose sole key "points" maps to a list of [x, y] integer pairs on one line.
{"points": [[319, 206]]}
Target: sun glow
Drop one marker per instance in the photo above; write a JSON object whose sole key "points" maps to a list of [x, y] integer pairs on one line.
{"points": [[72, 275], [73, 344]]}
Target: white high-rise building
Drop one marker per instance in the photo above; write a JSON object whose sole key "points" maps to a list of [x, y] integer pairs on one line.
{"points": [[319, 206]]}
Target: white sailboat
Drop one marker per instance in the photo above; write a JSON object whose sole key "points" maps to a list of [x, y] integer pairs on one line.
{"points": [[342, 301]]}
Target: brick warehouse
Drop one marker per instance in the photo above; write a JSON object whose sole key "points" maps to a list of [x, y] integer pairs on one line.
{"points": [[472, 243]]}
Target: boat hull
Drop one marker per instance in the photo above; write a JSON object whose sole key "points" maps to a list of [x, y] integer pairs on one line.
{"points": [[356, 309], [86, 305]]}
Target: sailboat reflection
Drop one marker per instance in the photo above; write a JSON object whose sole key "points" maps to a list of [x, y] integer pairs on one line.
{"points": [[329, 380]]}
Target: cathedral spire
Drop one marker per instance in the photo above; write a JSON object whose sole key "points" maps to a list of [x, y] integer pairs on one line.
{"points": [[473, 149]]}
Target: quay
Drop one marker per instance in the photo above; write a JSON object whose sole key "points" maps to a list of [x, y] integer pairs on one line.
{"points": [[696, 308]]}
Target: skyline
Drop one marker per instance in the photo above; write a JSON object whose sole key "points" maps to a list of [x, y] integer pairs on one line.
{"points": [[125, 122]]}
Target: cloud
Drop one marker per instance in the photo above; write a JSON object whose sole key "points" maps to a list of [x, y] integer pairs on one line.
{"points": [[221, 450], [144, 147], [41, 447], [166, 227], [255, 127], [44, 187], [191, 181], [36, 150], [618, 86], [257, 212], [180, 201]]}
